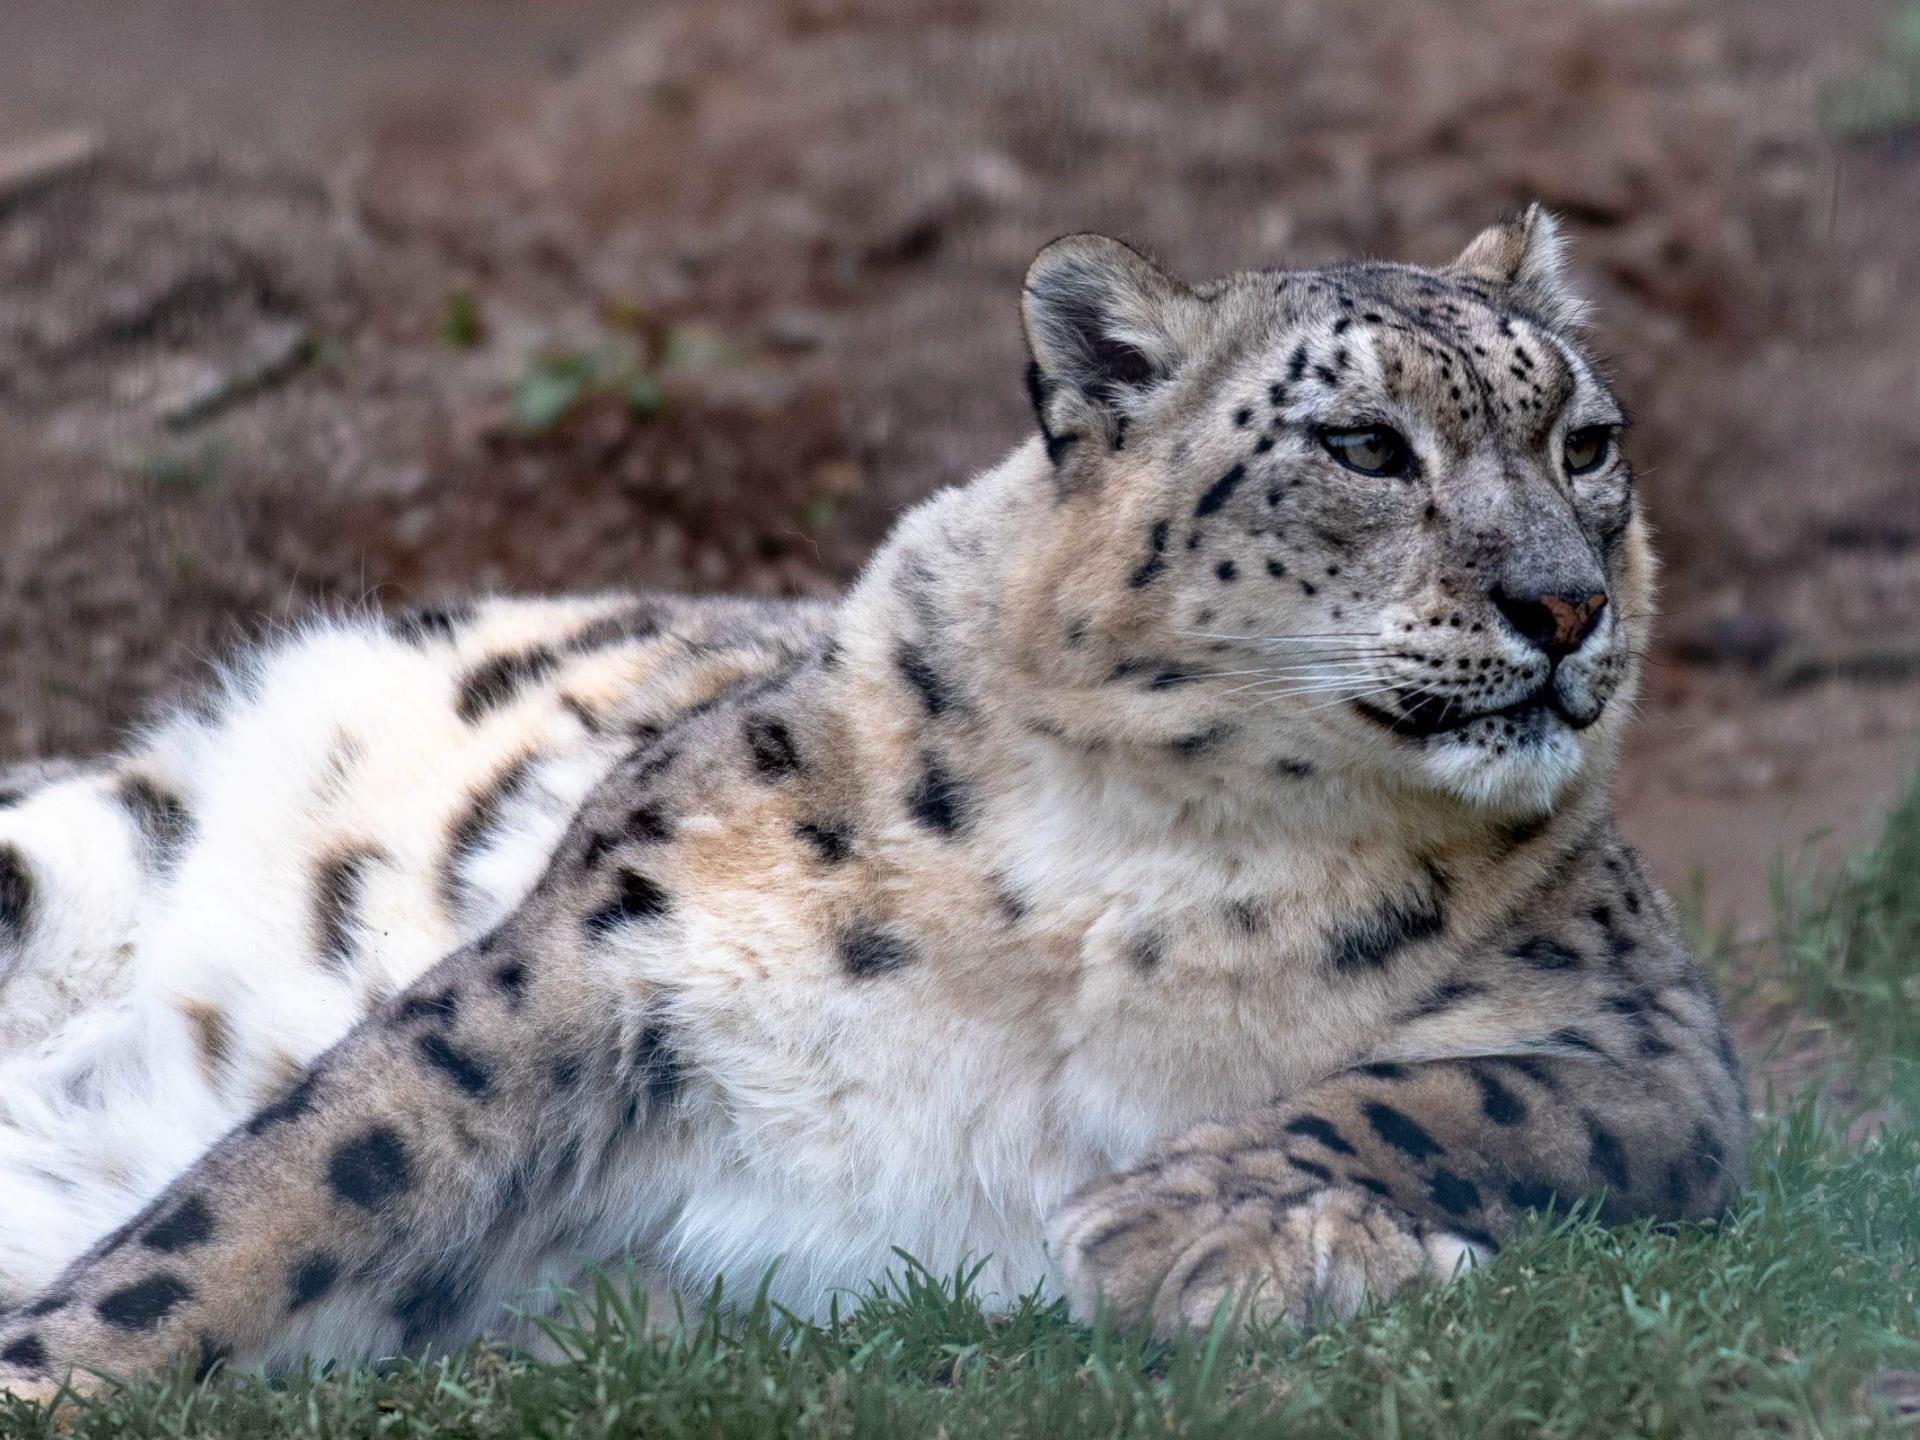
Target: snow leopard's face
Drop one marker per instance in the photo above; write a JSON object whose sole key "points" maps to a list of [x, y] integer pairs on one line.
{"points": [[1379, 512]]}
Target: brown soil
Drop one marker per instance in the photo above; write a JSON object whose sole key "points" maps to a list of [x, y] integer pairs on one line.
{"points": [[810, 215]]}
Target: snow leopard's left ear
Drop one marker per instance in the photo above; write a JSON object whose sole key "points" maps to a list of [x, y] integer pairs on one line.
{"points": [[1528, 256], [1104, 326]]}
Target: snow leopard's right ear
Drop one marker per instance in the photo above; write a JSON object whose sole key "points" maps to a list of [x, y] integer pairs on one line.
{"points": [[1104, 326]]}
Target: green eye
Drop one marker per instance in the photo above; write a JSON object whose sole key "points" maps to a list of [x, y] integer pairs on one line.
{"points": [[1588, 448], [1371, 449]]}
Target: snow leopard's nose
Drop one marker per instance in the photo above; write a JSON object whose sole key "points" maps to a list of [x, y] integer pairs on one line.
{"points": [[1554, 623]]}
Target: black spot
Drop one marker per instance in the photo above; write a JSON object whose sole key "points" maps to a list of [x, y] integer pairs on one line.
{"points": [[635, 622], [657, 1067], [26, 1353], [1606, 1155], [1311, 1167], [925, 680], [311, 1279], [1156, 560], [1145, 952], [290, 1106], [771, 745], [1219, 492], [1497, 1102], [1453, 1193], [1443, 998], [371, 1170], [1383, 1070], [1401, 1131], [1545, 954], [1369, 944], [1679, 1188], [1226, 570], [1572, 1039], [16, 892], [159, 815], [511, 980], [190, 1224], [337, 888], [830, 843], [430, 1303], [145, 1303], [48, 1304], [647, 826], [566, 1071], [938, 802], [867, 951], [212, 1355], [1371, 1186], [637, 899], [1190, 746], [470, 1074], [440, 1008], [1709, 1153], [1245, 917], [589, 718], [599, 845], [476, 824], [1297, 363], [428, 623], [494, 683], [1529, 1193], [1317, 1129]]}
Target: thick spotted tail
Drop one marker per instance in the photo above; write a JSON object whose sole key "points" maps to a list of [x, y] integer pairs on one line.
{"points": [[478, 1135], [1391, 1173]]}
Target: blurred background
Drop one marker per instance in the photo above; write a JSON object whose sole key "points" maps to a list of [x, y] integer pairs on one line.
{"points": [[339, 303]]}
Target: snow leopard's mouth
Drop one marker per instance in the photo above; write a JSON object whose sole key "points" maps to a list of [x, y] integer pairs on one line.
{"points": [[1424, 716]]}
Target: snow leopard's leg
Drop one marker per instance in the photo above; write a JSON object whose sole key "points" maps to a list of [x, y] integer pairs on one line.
{"points": [[1616, 1080], [520, 1107]]}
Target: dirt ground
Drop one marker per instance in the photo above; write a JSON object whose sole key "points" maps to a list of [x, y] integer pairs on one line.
{"points": [[282, 339]]}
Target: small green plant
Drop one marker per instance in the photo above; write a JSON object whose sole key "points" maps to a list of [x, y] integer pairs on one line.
{"points": [[461, 327], [558, 382]]}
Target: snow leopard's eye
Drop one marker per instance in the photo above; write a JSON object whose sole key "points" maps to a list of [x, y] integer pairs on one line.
{"points": [[1587, 449], [1370, 449]]}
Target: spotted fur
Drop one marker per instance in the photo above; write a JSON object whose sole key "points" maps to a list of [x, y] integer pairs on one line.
{"points": [[1180, 867]]}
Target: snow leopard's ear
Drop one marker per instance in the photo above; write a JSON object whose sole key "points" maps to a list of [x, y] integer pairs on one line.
{"points": [[1104, 326], [1528, 256]]}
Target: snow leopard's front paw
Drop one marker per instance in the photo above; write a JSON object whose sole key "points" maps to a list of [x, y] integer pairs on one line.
{"points": [[1173, 1241]]}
